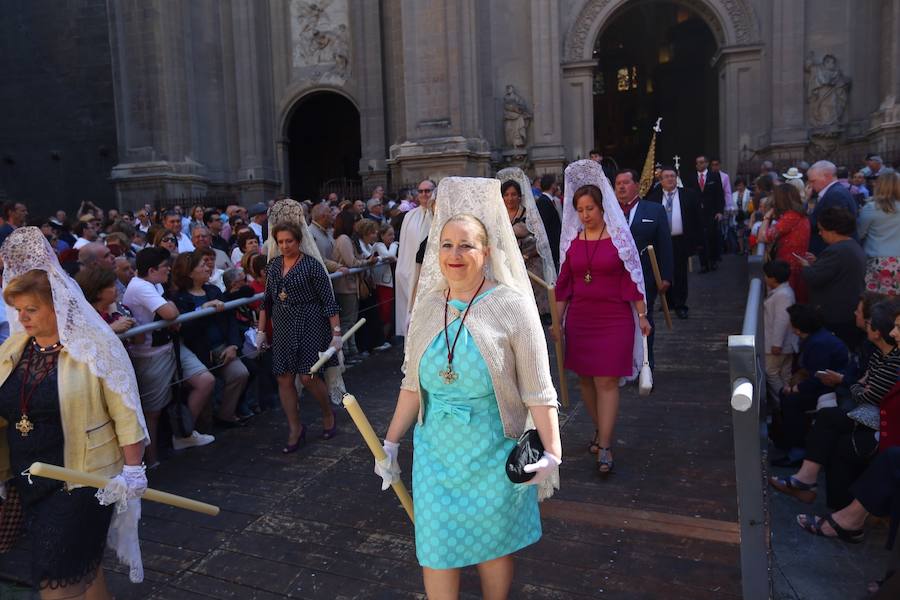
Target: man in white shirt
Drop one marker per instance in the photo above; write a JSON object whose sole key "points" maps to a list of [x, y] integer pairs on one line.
{"points": [[258, 216], [85, 231], [172, 222], [142, 220], [153, 356], [683, 212]]}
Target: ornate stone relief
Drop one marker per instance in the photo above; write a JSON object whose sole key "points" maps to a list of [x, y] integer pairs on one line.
{"points": [[516, 117], [320, 40]]}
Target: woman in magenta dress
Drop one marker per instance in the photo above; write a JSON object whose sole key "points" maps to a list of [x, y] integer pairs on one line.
{"points": [[600, 292]]}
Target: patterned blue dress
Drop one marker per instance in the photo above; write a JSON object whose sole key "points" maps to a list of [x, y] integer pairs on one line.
{"points": [[467, 510]]}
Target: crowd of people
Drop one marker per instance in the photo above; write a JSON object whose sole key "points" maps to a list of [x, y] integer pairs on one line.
{"points": [[446, 267]]}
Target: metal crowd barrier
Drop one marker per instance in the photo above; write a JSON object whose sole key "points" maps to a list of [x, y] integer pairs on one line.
{"points": [[231, 304], [746, 361]]}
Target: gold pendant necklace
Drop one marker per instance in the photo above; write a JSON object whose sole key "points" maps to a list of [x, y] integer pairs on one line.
{"points": [[590, 257], [448, 375], [282, 295], [24, 426], [587, 276]]}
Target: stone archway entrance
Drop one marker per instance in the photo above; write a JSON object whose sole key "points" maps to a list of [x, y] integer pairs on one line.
{"points": [[734, 64], [323, 144], [654, 60]]}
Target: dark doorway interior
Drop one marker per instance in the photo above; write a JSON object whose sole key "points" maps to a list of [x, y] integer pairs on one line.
{"points": [[654, 61], [324, 144]]}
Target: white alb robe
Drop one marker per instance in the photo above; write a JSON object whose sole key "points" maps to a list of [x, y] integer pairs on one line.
{"points": [[415, 228]]}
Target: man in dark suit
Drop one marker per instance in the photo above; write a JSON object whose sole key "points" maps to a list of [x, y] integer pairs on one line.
{"points": [[823, 181], [708, 186], [649, 226], [552, 222], [682, 209]]}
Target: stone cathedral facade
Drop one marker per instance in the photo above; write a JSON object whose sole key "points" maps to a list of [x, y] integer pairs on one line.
{"points": [[245, 97]]}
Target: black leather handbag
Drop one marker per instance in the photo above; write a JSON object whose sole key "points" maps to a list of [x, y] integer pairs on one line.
{"points": [[528, 450]]}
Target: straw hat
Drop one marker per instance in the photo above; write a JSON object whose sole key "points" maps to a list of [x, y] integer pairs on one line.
{"points": [[792, 173]]}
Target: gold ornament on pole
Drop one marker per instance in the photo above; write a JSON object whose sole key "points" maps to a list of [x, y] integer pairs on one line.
{"points": [[650, 162]]}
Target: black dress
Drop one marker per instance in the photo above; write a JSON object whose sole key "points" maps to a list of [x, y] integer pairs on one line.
{"points": [[300, 326], [66, 530]]}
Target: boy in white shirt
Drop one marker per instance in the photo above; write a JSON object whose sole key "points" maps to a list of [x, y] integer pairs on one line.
{"points": [[780, 340]]}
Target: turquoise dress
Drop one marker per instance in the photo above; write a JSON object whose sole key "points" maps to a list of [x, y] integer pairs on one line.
{"points": [[467, 510]]}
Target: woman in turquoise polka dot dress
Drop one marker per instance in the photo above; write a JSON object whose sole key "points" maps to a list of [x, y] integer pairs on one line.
{"points": [[476, 366]]}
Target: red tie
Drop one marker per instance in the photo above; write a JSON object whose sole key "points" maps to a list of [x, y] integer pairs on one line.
{"points": [[702, 182]]}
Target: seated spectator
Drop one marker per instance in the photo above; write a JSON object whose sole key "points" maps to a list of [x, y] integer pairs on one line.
{"points": [[154, 358], [202, 239], [246, 242], [780, 340], [844, 442], [87, 231], [214, 340], [96, 254], [786, 229], [119, 244], [99, 287], [820, 350], [124, 272], [176, 224], [215, 277], [859, 361], [212, 220], [371, 335], [161, 237], [879, 232], [836, 276]]}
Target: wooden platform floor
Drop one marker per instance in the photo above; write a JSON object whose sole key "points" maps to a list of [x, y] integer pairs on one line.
{"points": [[316, 525]]}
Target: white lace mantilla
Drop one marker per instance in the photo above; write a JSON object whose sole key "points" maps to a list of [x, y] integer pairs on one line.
{"points": [[589, 172], [533, 221], [290, 211], [85, 335]]}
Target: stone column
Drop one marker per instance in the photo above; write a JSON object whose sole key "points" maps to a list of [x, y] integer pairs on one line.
{"points": [[440, 89], [885, 121], [149, 43], [788, 94], [578, 108], [547, 152], [257, 177], [740, 108], [367, 58]]}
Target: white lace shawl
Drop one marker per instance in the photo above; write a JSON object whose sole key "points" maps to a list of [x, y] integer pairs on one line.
{"points": [[291, 211], [533, 221], [589, 172], [86, 336], [481, 198]]}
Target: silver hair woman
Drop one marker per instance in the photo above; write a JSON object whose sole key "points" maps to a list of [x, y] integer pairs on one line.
{"points": [[476, 368]]}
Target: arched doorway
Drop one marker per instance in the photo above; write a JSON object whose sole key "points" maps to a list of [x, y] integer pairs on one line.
{"points": [[324, 145], [654, 59]]}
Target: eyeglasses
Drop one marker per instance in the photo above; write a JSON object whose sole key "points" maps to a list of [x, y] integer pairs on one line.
{"points": [[425, 190], [168, 239]]}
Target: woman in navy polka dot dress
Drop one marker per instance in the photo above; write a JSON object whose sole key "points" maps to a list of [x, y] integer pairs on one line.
{"points": [[305, 321]]}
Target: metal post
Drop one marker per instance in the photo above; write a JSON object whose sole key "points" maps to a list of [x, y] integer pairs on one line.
{"points": [[748, 389]]}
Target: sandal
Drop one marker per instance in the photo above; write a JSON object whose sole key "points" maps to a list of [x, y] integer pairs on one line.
{"points": [[804, 492], [605, 463], [594, 446], [813, 525]]}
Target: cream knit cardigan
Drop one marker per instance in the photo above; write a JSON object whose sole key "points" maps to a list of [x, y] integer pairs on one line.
{"points": [[511, 343]]}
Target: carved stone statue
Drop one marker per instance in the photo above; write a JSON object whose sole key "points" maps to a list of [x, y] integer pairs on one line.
{"points": [[827, 93], [516, 118]]}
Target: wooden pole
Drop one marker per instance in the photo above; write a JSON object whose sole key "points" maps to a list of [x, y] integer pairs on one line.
{"points": [[40, 469], [651, 252], [326, 356], [374, 444], [557, 325]]}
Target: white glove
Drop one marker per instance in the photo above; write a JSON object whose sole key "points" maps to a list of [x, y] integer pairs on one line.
{"points": [[136, 479], [388, 469], [543, 468], [260, 340], [337, 342]]}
